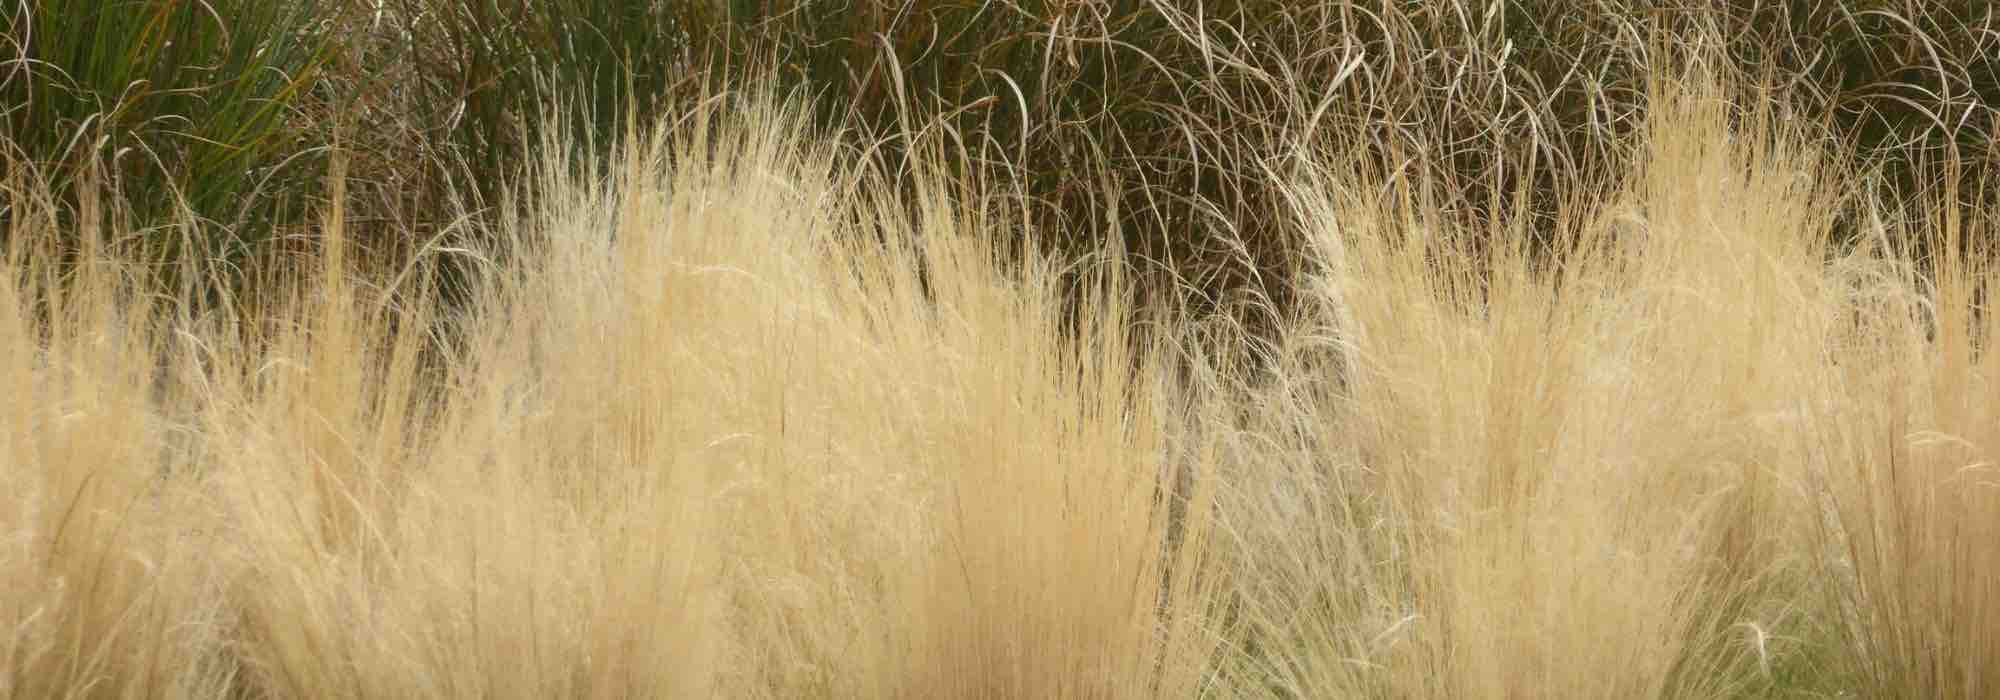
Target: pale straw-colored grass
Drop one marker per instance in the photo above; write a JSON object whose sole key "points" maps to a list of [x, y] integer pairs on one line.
{"points": [[739, 413]]}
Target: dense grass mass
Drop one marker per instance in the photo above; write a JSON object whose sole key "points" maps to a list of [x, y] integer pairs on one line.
{"points": [[733, 379]]}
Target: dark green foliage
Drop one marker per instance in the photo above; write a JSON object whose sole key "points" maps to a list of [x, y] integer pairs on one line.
{"points": [[1194, 108], [1165, 123], [470, 83], [193, 108]]}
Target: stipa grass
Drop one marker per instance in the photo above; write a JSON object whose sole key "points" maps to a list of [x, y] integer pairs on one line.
{"points": [[107, 581], [744, 427], [1907, 454], [734, 415], [1598, 473]]}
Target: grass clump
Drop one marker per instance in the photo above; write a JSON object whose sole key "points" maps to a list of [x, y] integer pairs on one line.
{"points": [[1380, 353], [508, 508]]}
